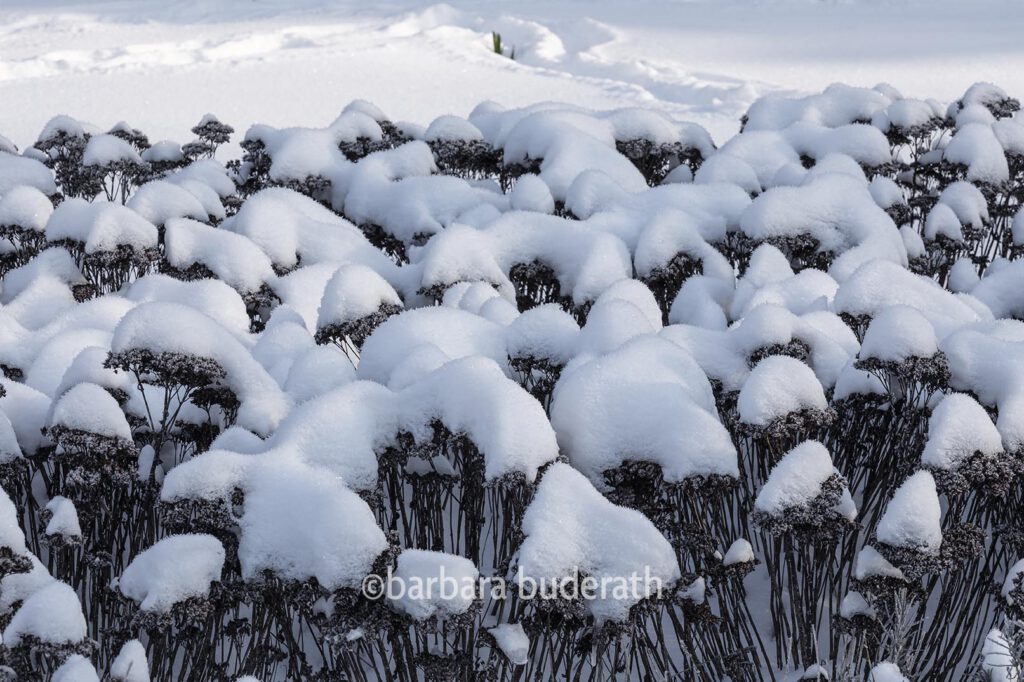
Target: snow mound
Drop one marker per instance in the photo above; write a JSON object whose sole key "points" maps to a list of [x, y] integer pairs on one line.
{"points": [[913, 516], [175, 569], [569, 527], [777, 386]]}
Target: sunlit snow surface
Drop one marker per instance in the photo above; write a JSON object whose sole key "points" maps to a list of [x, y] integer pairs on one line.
{"points": [[298, 62]]}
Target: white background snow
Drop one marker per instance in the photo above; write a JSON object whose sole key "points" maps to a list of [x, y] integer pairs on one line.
{"points": [[164, 63]]}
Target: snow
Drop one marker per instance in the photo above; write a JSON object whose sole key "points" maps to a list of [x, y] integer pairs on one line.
{"points": [[87, 367], [353, 292], [395, 190], [681, 61], [886, 672], [611, 323], [897, 333], [288, 227], [878, 284], [985, 360], [730, 169], [89, 408], [545, 332], [739, 552], [27, 410], [300, 522], [834, 209], [1000, 290], [163, 151], [646, 401], [569, 526], [316, 372], [57, 353], [957, 428], [155, 327], [942, 222], [103, 150], [913, 516], [130, 665], [16, 171], [177, 568], [55, 263], [777, 386], [796, 479], [232, 258], [100, 226], [313, 421], [11, 535], [974, 113], [564, 150], [997, 659], [456, 333], [210, 297], [967, 202], [433, 584], [26, 208], [159, 201], [473, 396], [975, 146], [862, 143], [76, 668], [513, 642], [213, 475], [9, 448], [674, 232], [64, 519], [16, 587], [342, 430], [963, 277], [531, 193], [452, 128], [807, 291], [854, 604], [52, 614], [837, 105]]}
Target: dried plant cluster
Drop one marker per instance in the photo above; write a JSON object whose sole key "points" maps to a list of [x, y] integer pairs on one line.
{"points": [[783, 376]]}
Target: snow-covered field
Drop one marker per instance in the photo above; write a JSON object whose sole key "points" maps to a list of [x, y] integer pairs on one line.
{"points": [[650, 354], [298, 62]]}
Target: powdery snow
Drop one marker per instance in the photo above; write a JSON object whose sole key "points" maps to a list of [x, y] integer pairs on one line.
{"points": [[513, 642], [175, 569], [913, 516], [51, 614], [777, 386], [91, 409], [796, 480], [897, 333], [646, 401], [433, 584], [957, 428], [570, 526], [131, 664]]}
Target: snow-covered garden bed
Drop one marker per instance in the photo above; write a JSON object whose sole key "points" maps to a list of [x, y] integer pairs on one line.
{"points": [[767, 392]]}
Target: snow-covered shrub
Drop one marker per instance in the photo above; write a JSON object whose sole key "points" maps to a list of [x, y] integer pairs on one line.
{"points": [[114, 162], [460, 149], [356, 301], [210, 134], [62, 142], [111, 244], [24, 212], [783, 372]]}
